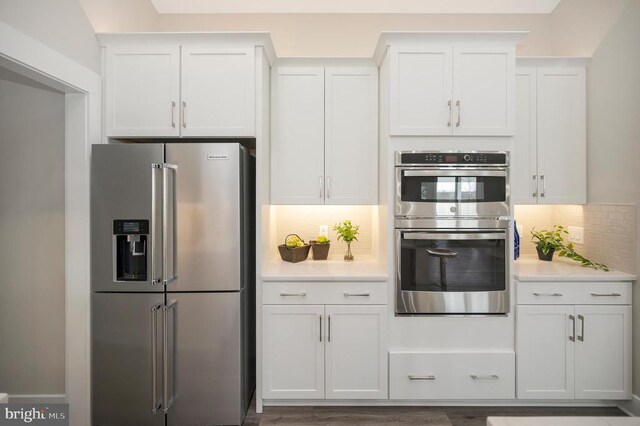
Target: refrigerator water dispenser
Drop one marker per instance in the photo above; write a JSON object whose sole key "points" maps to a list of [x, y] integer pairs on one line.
{"points": [[130, 238]]}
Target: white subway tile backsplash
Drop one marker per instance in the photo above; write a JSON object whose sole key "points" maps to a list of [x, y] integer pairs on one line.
{"points": [[609, 230]]}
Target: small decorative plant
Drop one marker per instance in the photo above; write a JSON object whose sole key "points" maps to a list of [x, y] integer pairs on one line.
{"points": [[348, 233], [320, 247], [548, 242]]}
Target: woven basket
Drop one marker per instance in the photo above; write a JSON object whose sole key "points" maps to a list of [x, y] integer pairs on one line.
{"points": [[319, 251], [294, 255]]}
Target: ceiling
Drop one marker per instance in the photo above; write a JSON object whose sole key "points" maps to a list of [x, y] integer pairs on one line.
{"points": [[356, 6]]}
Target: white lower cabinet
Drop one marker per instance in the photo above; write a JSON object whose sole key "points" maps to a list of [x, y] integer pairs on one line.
{"points": [[574, 351], [318, 351], [451, 375]]}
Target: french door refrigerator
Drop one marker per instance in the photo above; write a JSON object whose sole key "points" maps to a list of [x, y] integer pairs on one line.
{"points": [[172, 279]]}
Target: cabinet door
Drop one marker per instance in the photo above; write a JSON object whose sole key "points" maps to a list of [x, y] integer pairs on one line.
{"points": [[356, 352], [293, 351], [218, 92], [524, 179], [562, 146], [297, 144], [142, 91], [483, 91], [603, 352], [351, 135], [544, 352], [420, 91]]}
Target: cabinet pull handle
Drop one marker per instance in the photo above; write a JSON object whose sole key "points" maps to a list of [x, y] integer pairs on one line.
{"points": [[459, 113], [321, 328], [606, 294], [488, 377], [535, 181], [357, 294], [547, 294], [283, 294], [173, 114], [573, 321], [184, 114], [320, 186], [581, 336], [328, 186], [411, 377], [329, 328], [544, 186], [450, 113]]}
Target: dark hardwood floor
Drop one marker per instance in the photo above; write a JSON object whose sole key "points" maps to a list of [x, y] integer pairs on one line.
{"points": [[428, 416]]}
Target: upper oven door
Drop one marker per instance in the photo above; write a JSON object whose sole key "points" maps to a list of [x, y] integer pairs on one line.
{"points": [[432, 192]]}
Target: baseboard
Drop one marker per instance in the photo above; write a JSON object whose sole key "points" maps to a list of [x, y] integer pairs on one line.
{"points": [[35, 399], [439, 403], [631, 407]]}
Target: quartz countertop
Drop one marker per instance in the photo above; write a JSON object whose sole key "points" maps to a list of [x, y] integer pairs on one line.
{"points": [[532, 269], [361, 269]]}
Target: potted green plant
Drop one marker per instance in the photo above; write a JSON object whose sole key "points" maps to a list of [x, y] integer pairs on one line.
{"points": [[320, 248], [548, 241], [348, 233]]}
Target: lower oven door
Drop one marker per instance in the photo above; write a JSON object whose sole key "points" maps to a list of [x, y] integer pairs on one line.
{"points": [[452, 271]]}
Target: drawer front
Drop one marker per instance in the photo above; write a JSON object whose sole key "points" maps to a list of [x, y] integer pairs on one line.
{"points": [[324, 293], [452, 375], [574, 293]]}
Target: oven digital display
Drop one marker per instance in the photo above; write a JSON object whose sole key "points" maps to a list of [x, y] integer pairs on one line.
{"points": [[451, 159]]}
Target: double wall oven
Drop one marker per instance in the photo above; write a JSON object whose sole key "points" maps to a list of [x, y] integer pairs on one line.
{"points": [[452, 220]]}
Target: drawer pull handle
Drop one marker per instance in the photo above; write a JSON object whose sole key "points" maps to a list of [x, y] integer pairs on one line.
{"points": [[488, 377], [356, 294], [411, 377], [606, 294], [283, 294], [547, 294]]}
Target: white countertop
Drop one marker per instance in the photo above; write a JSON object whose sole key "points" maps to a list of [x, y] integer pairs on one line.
{"points": [[361, 269], [532, 269]]}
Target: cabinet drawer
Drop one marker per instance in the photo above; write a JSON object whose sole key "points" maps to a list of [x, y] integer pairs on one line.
{"points": [[574, 293], [324, 293], [452, 375]]}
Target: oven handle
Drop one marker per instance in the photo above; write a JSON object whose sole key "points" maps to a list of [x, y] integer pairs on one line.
{"points": [[455, 173], [454, 236]]}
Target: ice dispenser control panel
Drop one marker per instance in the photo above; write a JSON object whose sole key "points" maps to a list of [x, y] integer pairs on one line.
{"points": [[130, 248]]}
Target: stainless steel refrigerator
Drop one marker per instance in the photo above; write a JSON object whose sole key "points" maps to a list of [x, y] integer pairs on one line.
{"points": [[173, 280]]}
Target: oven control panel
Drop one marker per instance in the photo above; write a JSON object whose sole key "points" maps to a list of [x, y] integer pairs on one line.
{"points": [[452, 158]]}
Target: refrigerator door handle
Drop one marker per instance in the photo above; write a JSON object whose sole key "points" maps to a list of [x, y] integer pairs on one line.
{"points": [[154, 358], [166, 402], [169, 275], [155, 280]]}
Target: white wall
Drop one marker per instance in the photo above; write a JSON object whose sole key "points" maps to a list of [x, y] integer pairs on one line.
{"points": [[613, 87], [575, 27], [32, 225], [60, 24]]}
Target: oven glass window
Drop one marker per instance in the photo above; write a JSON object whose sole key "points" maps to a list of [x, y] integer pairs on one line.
{"points": [[452, 265], [453, 189]]}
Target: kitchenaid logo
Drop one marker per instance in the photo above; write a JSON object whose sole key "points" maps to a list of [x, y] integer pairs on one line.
{"points": [[217, 157], [40, 414]]}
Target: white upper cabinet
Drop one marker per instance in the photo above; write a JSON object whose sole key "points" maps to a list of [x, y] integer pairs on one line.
{"points": [[351, 135], [562, 135], [324, 145], [420, 90], [549, 155], [142, 91], [297, 145], [218, 92], [451, 90], [180, 85], [483, 91]]}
